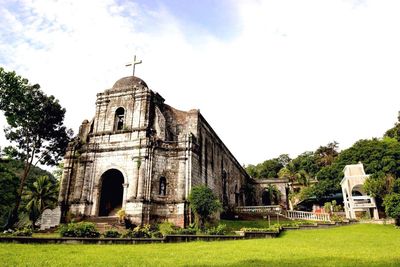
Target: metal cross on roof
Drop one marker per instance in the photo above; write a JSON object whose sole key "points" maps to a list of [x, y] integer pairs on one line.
{"points": [[133, 64]]}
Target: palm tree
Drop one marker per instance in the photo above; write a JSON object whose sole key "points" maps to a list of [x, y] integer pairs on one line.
{"points": [[42, 194]]}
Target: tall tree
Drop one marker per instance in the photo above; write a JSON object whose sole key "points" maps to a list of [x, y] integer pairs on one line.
{"points": [[35, 126], [395, 131], [326, 154]]}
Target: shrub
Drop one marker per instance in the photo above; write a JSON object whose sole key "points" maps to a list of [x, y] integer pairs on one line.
{"points": [[185, 231], [219, 230], [203, 203], [81, 229], [112, 233], [121, 215], [138, 232], [336, 218], [166, 228], [392, 206], [156, 234], [23, 232]]}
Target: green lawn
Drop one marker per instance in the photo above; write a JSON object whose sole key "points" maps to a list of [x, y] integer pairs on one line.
{"points": [[355, 245]]}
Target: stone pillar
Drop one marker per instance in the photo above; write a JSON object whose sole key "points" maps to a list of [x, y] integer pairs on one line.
{"points": [[80, 176], [376, 214], [134, 182], [125, 193], [141, 181], [181, 179], [96, 201], [87, 183]]}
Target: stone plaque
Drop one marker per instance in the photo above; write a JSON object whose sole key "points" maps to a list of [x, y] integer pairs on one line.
{"points": [[50, 218]]}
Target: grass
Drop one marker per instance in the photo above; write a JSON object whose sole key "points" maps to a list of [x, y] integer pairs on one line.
{"points": [[355, 245]]}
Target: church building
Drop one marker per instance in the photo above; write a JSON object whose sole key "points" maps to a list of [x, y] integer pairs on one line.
{"points": [[144, 156]]}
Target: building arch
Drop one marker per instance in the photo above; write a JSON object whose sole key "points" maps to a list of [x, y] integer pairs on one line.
{"points": [[358, 190], [119, 119], [162, 186], [111, 192]]}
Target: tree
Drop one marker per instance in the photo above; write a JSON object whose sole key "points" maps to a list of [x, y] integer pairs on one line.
{"points": [[392, 206], [395, 131], [203, 203], [8, 192], [35, 126], [326, 154], [306, 161], [379, 156], [41, 195]]}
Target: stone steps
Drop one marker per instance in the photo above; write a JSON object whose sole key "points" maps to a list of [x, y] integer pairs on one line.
{"points": [[106, 223]]}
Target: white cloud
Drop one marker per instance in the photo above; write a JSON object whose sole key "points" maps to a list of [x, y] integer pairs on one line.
{"points": [[297, 75]]}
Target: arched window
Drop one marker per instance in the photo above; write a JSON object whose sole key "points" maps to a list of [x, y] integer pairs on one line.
{"points": [[119, 119], [163, 186]]}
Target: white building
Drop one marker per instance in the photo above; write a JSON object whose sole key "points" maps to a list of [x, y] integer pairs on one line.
{"points": [[355, 199]]}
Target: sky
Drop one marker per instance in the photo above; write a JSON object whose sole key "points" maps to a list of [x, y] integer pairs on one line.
{"points": [[271, 77]]}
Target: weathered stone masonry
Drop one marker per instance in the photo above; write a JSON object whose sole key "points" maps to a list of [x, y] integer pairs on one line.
{"points": [[142, 155]]}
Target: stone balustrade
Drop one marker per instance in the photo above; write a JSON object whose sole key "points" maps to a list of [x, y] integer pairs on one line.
{"points": [[259, 209], [310, 216]]}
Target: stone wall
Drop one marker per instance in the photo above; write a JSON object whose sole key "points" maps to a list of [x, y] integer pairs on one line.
{"points": [[264, 185], [153, 146]]}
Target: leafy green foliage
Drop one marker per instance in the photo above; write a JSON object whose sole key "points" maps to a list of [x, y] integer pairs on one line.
{"points": [[379, 157], [395, 131], [306, 162], [10, 171], [23, 232], [392, 206], [203, 203], [269, 168], [138, 232], [220, 229], [112, 233], [8, 192], [40, 195], [81, 229], [185, 231], [166, 228], [35, 126], [325, 155]]}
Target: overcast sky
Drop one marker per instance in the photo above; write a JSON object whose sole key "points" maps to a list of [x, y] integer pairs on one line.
{"points": [[271, 77]]}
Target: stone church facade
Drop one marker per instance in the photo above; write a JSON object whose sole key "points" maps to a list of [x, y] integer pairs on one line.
{"points": [[144, 156]]}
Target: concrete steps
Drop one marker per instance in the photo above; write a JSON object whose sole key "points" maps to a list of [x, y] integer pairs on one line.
{"points": [[106, 223]]}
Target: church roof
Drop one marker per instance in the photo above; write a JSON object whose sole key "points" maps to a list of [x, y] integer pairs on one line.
{"points": [[129, 81]]}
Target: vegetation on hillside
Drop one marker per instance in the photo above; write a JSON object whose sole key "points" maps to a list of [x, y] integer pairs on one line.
{"points": [[35, 128], [380, 156], [10, 170]]}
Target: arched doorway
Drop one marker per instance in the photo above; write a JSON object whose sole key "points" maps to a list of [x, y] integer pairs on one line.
{"points": [[111, 192]]}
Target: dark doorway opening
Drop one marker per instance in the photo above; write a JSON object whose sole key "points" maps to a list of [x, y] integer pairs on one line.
{"points": [[111, 192], [266, 198]]}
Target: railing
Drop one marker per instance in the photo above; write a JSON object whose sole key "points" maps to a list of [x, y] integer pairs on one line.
{"points": [[259, 209], [310, 216], [362, 202]]}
